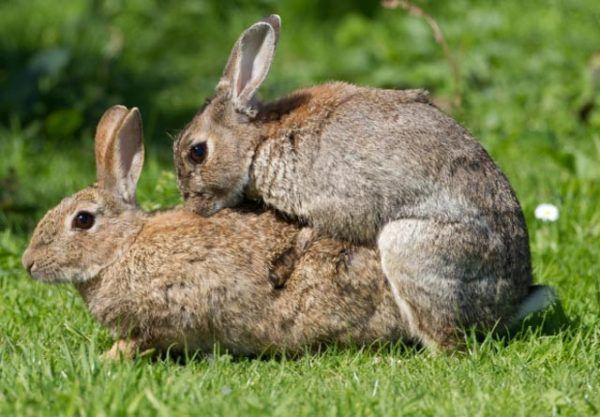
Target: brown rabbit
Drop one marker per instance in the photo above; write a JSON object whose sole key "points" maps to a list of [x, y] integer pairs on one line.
{"points": [[370, 166], [174, 279]]}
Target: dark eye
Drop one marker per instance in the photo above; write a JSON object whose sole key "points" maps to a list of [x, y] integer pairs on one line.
{"points": [[198, 153], [83, 220]]}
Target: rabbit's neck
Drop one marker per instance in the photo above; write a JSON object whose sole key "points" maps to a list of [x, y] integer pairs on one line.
{"points": [[272, 171], [288, 141], [105, 296]]}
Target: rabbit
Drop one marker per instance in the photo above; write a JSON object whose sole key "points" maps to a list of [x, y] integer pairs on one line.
{"points": [[175, 280], [384, 168]]}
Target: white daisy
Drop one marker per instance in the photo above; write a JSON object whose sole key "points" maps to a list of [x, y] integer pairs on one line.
{"points": [[546, 212]]}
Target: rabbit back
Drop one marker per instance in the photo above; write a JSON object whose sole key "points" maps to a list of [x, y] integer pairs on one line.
{"points": [[355, 158]]}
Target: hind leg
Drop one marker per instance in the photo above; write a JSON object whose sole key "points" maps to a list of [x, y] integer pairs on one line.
{"points": [[444, 277]]}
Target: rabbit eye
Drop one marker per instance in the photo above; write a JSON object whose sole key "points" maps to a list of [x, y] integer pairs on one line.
{"points": [[198, 153], [83, 220]]}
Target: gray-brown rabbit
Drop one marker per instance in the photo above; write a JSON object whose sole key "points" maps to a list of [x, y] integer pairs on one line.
{"points": [[369, 166]]}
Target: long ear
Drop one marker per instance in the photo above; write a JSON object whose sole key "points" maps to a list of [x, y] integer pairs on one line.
{"points": [[107, 126], [249, 62], [120, 152]]}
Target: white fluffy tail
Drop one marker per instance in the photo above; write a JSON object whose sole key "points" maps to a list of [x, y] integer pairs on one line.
{"points": [[540, 297]]}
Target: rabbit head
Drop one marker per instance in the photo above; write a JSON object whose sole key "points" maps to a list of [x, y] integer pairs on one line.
{"points": [[90, 229], [214, 153]]}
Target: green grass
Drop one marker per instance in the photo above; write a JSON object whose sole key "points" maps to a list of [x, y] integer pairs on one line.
{"points": [[527, 68]]}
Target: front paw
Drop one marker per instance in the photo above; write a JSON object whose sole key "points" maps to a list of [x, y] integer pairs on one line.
{"points": [[282, 268], [121, 350]]}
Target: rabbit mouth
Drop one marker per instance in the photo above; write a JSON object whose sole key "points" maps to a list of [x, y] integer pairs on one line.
{"points": [[43, 275], [208, 203], [49, 274], [203, 204]]}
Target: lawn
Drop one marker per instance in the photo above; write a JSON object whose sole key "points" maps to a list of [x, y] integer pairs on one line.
{"points": [[530, 89]]}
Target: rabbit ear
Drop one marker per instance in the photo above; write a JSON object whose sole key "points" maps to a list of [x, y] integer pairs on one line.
{"points": [[120, 152], [250, 60], [107, 126]]}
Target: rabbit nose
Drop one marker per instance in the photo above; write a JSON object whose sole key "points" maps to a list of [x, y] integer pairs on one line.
{"points": [[29, 266], [27, 262]]}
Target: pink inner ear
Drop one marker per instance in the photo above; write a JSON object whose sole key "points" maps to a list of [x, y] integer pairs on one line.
{"points": [[128, 147], [254, 60], [105, 132], [130, 155], [250, 50]]}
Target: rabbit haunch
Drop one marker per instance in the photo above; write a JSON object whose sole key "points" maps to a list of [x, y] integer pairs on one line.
{"points": [[367, 165]]}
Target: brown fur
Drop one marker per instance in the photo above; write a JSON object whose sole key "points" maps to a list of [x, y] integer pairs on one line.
{"points": [[371, 166], [173, 279], [192, 282]]}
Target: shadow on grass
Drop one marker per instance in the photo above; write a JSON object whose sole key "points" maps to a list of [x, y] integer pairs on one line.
{"points": [[551, 321], [397, 348]]}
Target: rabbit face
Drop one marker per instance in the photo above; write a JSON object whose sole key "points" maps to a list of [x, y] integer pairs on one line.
{"points": [[214, 153], [91, 229], [79, 237], [213, 156]]}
